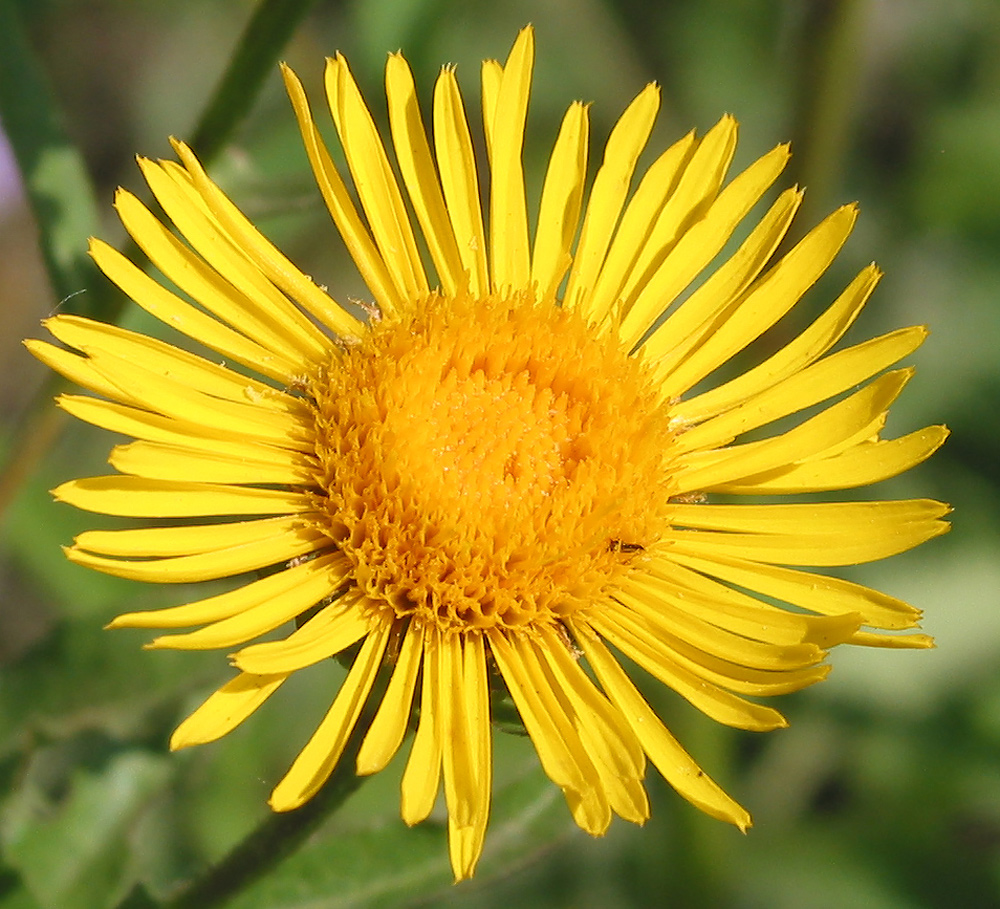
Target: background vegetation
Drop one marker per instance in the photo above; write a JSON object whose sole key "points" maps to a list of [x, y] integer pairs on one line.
{"points": [[885, 791]]}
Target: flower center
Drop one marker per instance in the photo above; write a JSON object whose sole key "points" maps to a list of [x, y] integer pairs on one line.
{"points": [[490, 461]]}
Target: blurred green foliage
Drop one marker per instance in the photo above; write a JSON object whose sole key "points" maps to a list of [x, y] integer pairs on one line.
{"points": [[885, 791]]}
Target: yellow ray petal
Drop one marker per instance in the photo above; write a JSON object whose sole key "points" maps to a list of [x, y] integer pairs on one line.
{"points": [[375, 181], [167, 360], [260, 618], [491, 75], [157, 461], [637, 224], [457, 166], [830, 376], [422, 776], [617, 755], [182, 316], [607, 196], [819, 593], [307, 583], [698, 245], [893, 641], [558, 744], [838, 519], [820, 551], [559, 209], [175, 398], [225, 709], [509, 245], [385, 734], [338, 201], [459, 761], [808, 347], [420, 174], [695, 320], [697, 187], [720, 605], [766, 302], [318, 759], [135, 497], [204, 566], [677, 767], [840, 426], [79, 370], [145, 542], [220, 279], [667, 648], [272, 263], [130, 421], [669, 612], [718, 703], [862, 465], [334, 628]]}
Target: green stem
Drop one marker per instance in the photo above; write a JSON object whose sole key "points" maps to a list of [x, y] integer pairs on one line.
{"points": [[828, 66], [277, 837]]}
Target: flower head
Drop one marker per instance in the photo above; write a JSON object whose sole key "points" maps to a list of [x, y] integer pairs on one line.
{"points": [[507, 475]]}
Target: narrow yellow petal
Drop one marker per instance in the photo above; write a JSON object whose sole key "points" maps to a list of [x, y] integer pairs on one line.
{"points": [[389, 725], [698, 245], [135, 497], [490, 78], [808, 347], [260, 618], [459, 761], [677, 767], [457, 165], [861, 465], [146, 542], [766, 302], [271, 262], [692, 323], [637, 224], [416, 164], [837, 428], [338, 201], [817, 592], [79, 370], [830, 376], [167, 360], [334, 628], [374, 180], [697, 187], [422, 776], [559, 209], [308, 581], [667, 648], [607, 196], [172, 397], [182, 316], [718, 703], [318, 759], [509, 246], [893, 641], [818, 551], [225, 709], [205, 566], [669, 612], [222, 280], [157, 461]]}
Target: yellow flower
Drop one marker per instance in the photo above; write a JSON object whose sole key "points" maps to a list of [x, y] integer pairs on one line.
{"points": [[497, 481]]}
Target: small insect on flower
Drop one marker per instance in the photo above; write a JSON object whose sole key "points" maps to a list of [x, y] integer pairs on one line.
{"points": [[502, 477]]}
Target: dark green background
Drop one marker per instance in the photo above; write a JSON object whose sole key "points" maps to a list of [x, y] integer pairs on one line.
{"points": [[885, 791]]}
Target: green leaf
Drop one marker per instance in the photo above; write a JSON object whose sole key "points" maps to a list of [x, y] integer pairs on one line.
{"points": [[75, 855], [393, 865]]}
